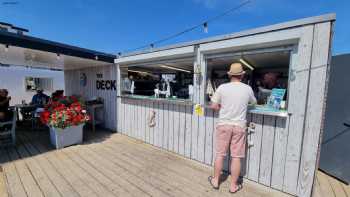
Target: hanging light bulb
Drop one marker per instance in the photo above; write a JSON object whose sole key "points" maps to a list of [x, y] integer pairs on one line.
{"points": [[7, 48], [96, 57], [205, 25]]}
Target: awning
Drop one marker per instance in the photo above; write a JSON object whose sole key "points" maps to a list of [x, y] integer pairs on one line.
{"points": [[16, 49]]}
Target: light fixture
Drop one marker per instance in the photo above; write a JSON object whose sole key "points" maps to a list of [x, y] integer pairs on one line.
{"points": [[174, 68], [205, 26], [246, 64], [96, 57], [7, 48], [141, 72]]}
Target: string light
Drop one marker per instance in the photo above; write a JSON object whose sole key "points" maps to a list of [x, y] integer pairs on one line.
{"points": [[7, 48], [203, 24]]}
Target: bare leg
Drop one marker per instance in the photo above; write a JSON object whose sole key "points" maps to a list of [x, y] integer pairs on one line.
{"points": [[218, 165], [235, 172]]}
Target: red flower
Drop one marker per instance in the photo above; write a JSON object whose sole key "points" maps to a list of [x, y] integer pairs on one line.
{"points": [[63, 113]]}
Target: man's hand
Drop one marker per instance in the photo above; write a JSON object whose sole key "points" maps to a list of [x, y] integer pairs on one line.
{"points": [[215, 106]]}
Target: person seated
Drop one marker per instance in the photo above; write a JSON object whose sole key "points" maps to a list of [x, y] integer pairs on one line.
{"points": [[40, 99], [5, 113], [57, 95]]}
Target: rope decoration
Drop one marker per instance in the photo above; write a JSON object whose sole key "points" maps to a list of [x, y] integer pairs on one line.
{"points": [[152, 119]]}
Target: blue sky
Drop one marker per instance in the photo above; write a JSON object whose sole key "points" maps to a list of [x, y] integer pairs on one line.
{"points": [[114, 25]]}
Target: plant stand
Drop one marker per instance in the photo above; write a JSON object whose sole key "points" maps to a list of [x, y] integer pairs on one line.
{"points": [[61, 138]]}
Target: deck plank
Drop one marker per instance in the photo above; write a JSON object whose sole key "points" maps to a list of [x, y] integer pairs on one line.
{"points": [[28, 182], [111, 184], [346, 189], [147, 186], [182, 177], [14, 182], [325, 188], [77, 183], [3, 183], [89, 180], [144, 172], [63, 187], [3, 188], [111, 165], [121, 177], [39, 175], [179, 165], [152, 169], [337, 187]]}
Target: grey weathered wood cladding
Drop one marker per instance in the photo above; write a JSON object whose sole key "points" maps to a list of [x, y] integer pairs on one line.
{"points": [[282, 152]]}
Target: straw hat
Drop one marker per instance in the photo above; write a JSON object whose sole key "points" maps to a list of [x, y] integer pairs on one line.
{"points": [[236, 69]]}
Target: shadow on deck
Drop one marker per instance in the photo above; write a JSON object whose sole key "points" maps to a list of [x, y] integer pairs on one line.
{"points": [[106, 164]]}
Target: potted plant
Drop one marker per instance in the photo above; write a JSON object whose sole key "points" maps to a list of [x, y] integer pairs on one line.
{"points": [[65, 117]]}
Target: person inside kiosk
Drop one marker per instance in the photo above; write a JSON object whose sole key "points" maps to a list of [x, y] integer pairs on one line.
{"points": [[266, 73], [162, 81]]}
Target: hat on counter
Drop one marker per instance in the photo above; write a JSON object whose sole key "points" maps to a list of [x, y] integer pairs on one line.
{"points": [[236, 69]]}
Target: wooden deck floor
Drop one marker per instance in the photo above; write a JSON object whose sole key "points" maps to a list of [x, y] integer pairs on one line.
{"points": [[106, 165], [327, 186]]}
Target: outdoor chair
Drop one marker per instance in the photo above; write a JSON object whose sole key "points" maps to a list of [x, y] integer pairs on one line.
{"points": [[29, 115], [8, 131]]}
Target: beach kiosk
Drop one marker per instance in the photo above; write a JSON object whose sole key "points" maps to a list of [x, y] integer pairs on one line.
{"points": [[163, 94]]}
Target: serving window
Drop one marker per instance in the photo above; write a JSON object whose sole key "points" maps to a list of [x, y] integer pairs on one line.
{"points": [[266, 72], [171, 80]]}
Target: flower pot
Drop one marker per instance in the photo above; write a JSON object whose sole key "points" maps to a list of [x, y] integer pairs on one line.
{"points": [[61, 138]]}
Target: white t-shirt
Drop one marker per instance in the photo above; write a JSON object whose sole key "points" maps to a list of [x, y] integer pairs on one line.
{"points": [[233, 98]]}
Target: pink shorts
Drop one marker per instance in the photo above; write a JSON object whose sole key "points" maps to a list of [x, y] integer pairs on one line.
{"points": [[230, 136]]}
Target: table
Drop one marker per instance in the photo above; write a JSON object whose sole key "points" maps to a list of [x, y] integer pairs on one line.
{"points": [[92, 110]]}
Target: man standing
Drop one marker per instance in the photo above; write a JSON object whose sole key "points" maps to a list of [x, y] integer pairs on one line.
{"points": [[232, 100]]}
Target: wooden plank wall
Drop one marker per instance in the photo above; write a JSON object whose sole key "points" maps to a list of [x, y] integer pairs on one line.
{"points": [[282, 151], [174, 132], [72, 86], [318, 83]]}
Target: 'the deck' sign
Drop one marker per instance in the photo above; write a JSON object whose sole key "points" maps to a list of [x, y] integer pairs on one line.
{"points": [[106, 84]]}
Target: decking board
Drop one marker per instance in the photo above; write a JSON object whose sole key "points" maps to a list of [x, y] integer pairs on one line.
{"points": [[107, 165]]}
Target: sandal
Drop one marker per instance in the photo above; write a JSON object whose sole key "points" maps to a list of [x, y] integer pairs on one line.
{"points": [[239, 187], [211, 183]]}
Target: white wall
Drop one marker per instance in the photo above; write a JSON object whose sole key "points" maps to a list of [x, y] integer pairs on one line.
{"points": [[73, 86], [13, 79]]}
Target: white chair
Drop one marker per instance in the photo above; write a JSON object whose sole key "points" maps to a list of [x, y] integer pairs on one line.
{"points": [[8, 136]]}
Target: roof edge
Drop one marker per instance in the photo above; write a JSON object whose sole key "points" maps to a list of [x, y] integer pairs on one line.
{"points": [[249, 32], [25, 41]]}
